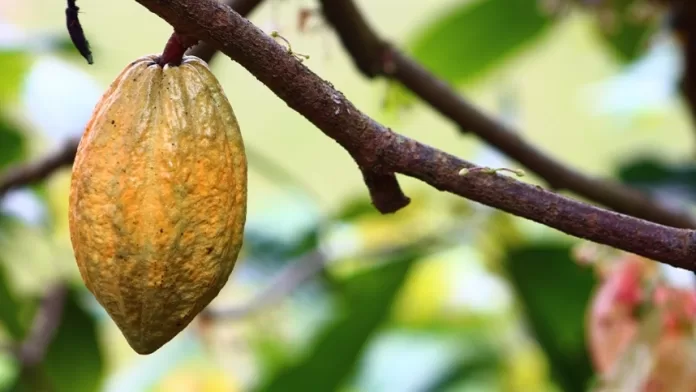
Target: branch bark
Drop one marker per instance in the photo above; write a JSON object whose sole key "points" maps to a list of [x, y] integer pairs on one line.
{"points": [[375, 57], [207, 52], [377, 147], [26, 174], [46, 322]]}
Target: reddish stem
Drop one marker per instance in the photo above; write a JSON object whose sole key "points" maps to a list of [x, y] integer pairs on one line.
{"points": [[174, 51]]}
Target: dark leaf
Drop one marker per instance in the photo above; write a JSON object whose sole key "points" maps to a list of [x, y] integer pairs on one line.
{"points": [[271, 250], [487, 360], [12, 145], [555, 292], [356, 208], [73, 361], [11, 311], [677, 181], [77, 35], [627, 37], [368, 298]]}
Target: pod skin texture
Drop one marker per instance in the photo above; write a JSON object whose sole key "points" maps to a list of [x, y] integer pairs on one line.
{"points": [[158, 198]]}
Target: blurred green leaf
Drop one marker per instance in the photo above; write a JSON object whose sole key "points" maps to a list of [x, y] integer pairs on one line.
{"points": [[653, 174], [472, 38], [555, 292], [31, 380], [73, 362], [14, 64], [367, 298], [10, 308], [272, 353], [273, 250], [64, 45], [12, 144], [487, 361], [628, 37], [356, 208]]}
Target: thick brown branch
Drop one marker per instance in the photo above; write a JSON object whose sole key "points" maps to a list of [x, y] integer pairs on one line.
{"points": [[374, 57], [207, 52], [373, 145]]}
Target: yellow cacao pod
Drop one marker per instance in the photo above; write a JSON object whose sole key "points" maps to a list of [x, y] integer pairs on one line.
{"points": [[158, 198]]}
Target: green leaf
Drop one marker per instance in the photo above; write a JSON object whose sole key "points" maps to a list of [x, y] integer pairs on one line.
{"points": [[356, 208], [368, 298], [64, 45], [487, 361], [272, 250], [653, 174], [73, 362], [14, 64], [11, 309], [12, 144], [472, 38], [555, 292], [628, 37]]}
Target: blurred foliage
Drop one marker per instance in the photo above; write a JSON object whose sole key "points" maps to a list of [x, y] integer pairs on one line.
{"points": [[554, 292], [364, 301], [73, 345], [11, 309], [14, 63], [76, 341], [625, 35], [12, 143], [656, 175], [487, 362]]}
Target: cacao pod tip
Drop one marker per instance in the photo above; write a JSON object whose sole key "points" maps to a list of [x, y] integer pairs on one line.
{"points": [[145, 347]]}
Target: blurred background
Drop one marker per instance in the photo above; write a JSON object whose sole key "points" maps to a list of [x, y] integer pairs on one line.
{"points": [[329, 295]]}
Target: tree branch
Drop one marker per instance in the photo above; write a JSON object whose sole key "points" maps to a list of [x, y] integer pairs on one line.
{"points": [[207, 52], [375, 57], [46, 321], [374, 146], [26, 174], [290, 278]]}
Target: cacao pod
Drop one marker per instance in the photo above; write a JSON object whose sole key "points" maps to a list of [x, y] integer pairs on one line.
{"points": [[158, 198]]}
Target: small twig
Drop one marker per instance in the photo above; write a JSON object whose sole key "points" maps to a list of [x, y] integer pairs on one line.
{"points": [[46, 321], [298, 56], [290, 278], [27, 174], [489, 170], [306, 267]]}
